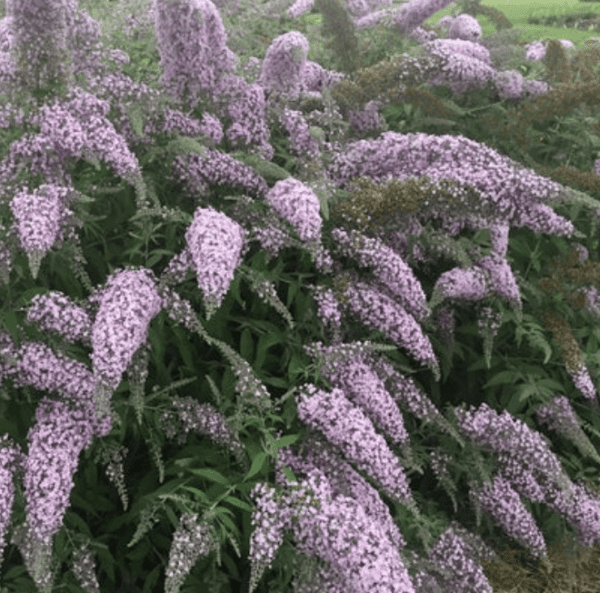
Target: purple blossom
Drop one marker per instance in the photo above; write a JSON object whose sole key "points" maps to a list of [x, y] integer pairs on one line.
{"points": [[217, 245], [40, 216], [11, 459], [40, 39], [340, 532], [55, 442], [301, 141], [192, 47], [507, 509], [461, 284], [559, 415], [299, 205], [466, 27], [364, 388], [509, 84], [347, 427], [203, 419], [501, 278], [452, 553], [198, 172], [269, 520], [388, 268], [55, 312], [524, 454], [84, 570], [379, 312], [344, 479], [245, 104], [467, 65], [127, 303], [191, 540], [283, 64], [368, 119]]}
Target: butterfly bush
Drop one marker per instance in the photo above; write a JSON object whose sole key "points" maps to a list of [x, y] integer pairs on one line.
{"points": [[299, 205], [388, 268], [56, 312], [11, 459], [507, 509], [559, 415], [349, 527], [318, 453], [282, 66], [341, 533], [190, 541], [192, 48], [39, 216], [347, 427], [126, 305], [216, 244]]}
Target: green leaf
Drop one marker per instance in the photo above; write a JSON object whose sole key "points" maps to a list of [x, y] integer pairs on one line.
{"points": [[287, 440], [246, 344], [211, 474], [289, 474], [151, 579], [236, 502], [197, 492], [502, 378], [257, 464]]}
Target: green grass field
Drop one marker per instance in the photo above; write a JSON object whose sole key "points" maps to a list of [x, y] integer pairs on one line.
{"points": [[519, 11]]}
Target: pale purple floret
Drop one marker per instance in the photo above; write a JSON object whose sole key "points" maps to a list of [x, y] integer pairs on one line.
{"points": [[507, 509], [55, 442], [462, 284], [283, 64], [453, 553], [340, 532], [501, 278], [388, 268], [379, 312], [584, 384], [39, 217], [217, 245], [192, 47], [55, 312], [559, 415], [347, 427], [318, 453], [191, 541], [524, 454], [198, 173], [11, 459], [464, 26], [84, 570], [301, 141], [127, 304], [364, 388], [203, 419], [299, 205], [269, 520], [509, 84]]}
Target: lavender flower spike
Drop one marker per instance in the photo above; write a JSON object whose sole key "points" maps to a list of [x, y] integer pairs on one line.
{"points": [[217, 245], [346, 426], [128, 302]]}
